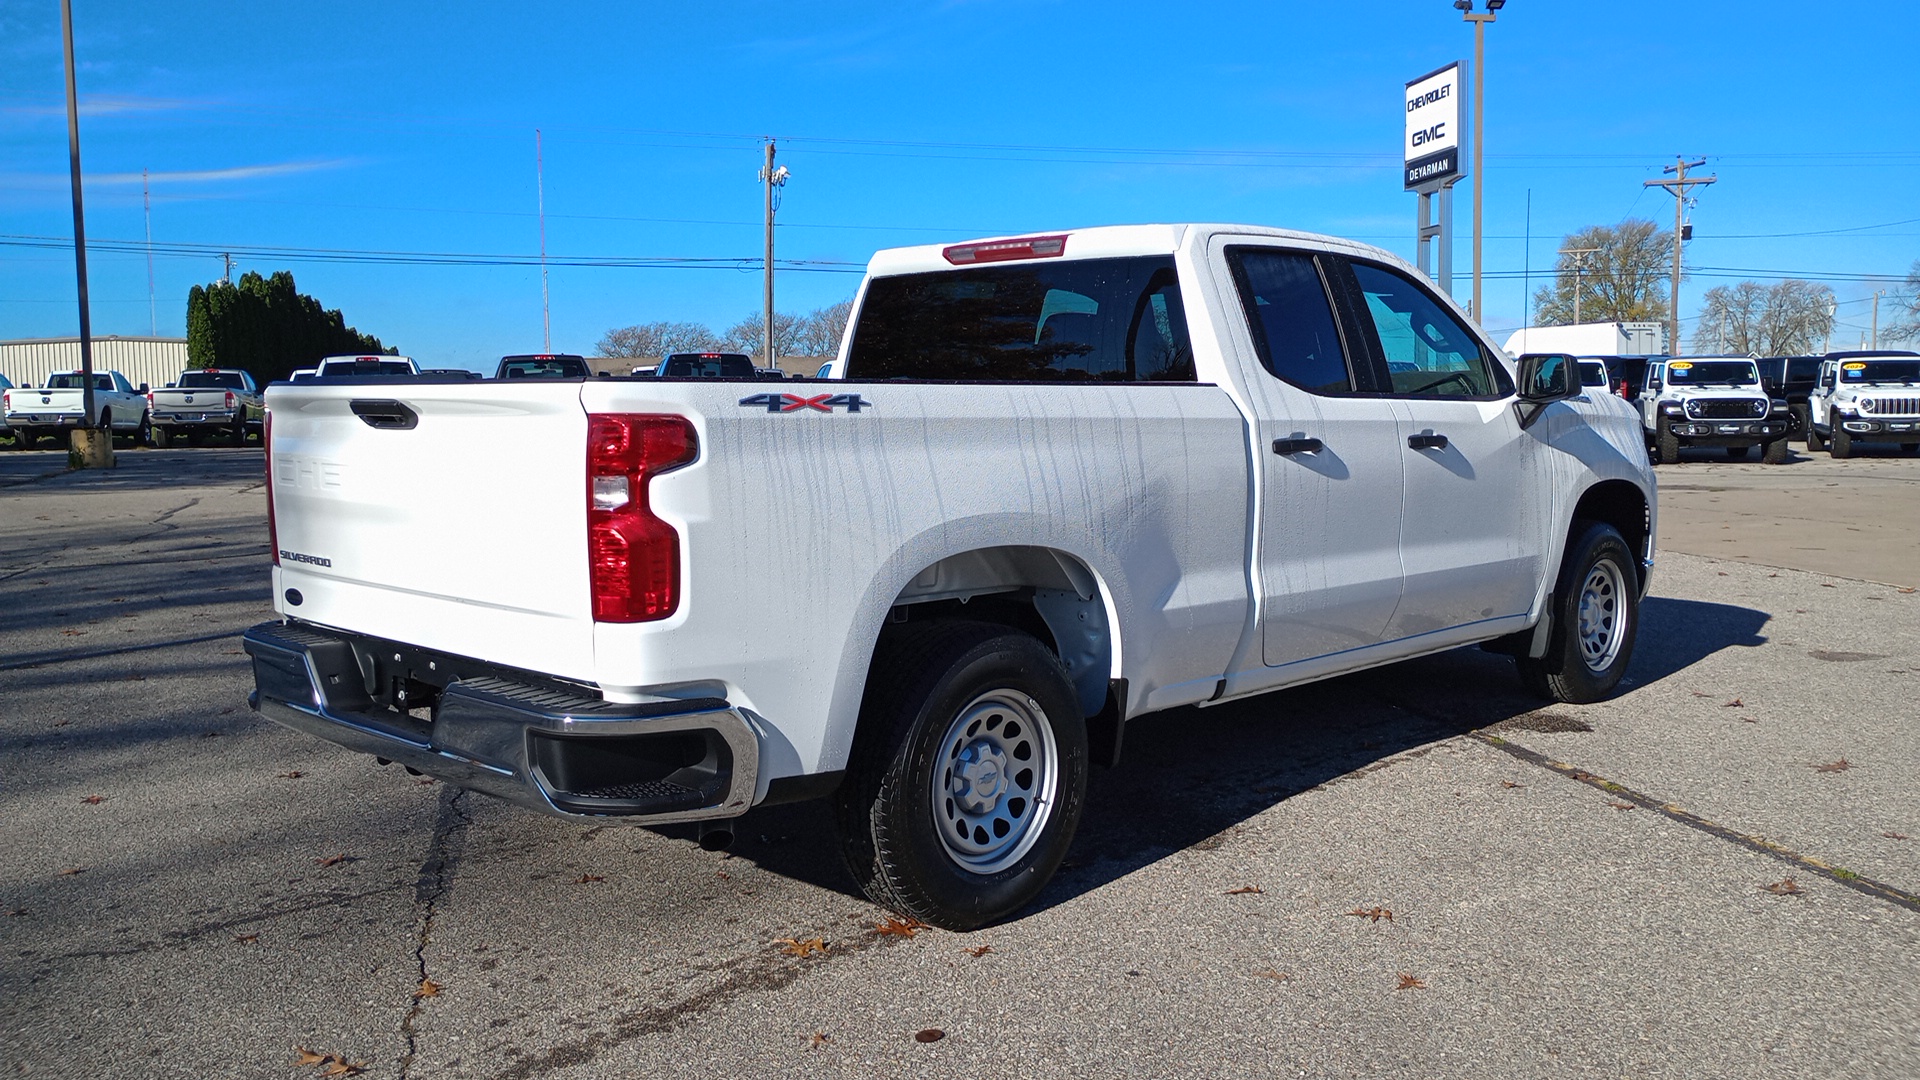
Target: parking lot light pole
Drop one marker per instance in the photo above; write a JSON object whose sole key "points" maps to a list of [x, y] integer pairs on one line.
{"points": [[1479, 21], [91, 449]]}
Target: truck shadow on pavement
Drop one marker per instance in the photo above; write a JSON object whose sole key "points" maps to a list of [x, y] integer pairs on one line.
{"points": [[1190, 777]]}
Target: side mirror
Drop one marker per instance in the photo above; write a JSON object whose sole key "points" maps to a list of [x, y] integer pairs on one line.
{"points": [[1544, 379], [143, 388]]}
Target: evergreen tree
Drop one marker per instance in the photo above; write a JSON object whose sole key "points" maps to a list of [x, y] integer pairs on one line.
{"points": [[266, 326]]}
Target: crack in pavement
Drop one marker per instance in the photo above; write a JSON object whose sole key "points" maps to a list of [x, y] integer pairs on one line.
{"points": [[1879, 890], [436, 878]]}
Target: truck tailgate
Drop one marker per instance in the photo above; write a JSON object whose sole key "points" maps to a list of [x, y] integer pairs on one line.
{"points": [[448, 515]]}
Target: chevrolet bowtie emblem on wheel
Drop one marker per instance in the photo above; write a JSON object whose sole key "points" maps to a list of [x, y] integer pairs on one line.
{"points": [[786, 403]]}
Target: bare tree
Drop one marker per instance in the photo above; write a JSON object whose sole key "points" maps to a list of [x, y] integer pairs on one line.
{"points": [[1785, 319], [657, 339], [749, 336], [821, 331], [1904, 322], [1624, 279]]}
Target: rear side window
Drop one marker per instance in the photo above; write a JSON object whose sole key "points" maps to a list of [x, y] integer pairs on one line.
{"points": [[1093, 320], [1291, 320]]}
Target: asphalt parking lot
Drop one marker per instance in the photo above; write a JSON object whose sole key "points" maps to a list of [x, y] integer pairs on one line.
{"points": [[1413, 872]]}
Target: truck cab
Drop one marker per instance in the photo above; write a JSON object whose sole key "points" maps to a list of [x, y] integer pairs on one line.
{"points": [[1711, 401]]}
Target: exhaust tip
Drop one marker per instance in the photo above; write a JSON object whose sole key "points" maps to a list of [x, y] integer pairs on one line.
{"points": [[716, 836]]}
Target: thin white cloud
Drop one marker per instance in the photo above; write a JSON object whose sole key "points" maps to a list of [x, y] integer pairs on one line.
{"points": [[105, 106], [215, 176]]}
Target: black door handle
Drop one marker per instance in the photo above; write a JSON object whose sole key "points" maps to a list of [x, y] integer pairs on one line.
{"points": [[1427, 441], [1297, 446]]}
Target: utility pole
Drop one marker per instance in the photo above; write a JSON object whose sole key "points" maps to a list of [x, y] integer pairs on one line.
{"points": [[146, 203], [1678, 188], [92, 449], [772, 178], [1876, 317], [1479, 22], [540, 188], [227, 276], [1579, 274]]}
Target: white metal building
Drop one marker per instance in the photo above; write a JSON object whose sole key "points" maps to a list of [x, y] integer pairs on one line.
{"points": [[155, 361]]}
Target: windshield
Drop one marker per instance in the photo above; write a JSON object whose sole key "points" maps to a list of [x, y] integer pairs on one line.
{"points": [[1713, 372], [227, 379], [77, 381], [1880, 371]]}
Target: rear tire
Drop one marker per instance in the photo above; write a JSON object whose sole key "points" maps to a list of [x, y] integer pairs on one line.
{"points": [[1841, 445], [1596, 613], [144, 436], [967, 774], [239, 431], [1775, 452]]}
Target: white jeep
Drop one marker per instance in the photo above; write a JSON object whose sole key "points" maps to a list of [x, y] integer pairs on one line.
{"points": [[1711, 401], [1865, 398]]}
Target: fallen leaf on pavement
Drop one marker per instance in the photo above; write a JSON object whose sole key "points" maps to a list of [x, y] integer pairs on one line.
{"points": [[1620, 805], [1828, 585], [1244, 890], [979, 951], [1736, 703], [94, 800], [1834, 766], [428, 988], [332, 860], [895, 927], [796, 947], [1408, 982], [304, 1056], [588, 879], [1270, 973], [1894, 835], [247, 939], [817, 1040], [342, 1067], [294, 775], [1373, 913], [72, 870], [1510, 784], [1788, 887], [1906, 590], [927, 1035]]}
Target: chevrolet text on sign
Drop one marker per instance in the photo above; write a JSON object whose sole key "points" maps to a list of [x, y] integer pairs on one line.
{"points": [[1432, 145]]}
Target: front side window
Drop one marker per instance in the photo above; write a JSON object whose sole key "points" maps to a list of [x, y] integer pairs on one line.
{"points": [[1090, 320], [1290, 318], [1427, 351]]}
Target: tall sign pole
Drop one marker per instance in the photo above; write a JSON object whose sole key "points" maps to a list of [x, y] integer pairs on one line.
{"points": [[1431, 153], [79, 224], [1678, 188]]}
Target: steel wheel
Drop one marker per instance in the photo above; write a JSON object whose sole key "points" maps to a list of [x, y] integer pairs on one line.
{"points": [[1600, 615], [993, 789]]}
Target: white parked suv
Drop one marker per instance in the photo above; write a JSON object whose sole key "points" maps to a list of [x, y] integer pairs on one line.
{"points": [[1712, 401], [1056, 483], [1865, 397]]}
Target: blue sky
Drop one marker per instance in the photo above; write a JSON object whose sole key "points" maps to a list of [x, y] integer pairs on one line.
{"points": [[379, 127]]}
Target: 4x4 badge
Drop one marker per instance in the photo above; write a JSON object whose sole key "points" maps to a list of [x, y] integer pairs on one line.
{"points": [[786, 403]]}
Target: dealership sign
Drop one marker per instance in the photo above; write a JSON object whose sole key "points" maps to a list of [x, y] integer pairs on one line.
{"points": [[1435, 108]]}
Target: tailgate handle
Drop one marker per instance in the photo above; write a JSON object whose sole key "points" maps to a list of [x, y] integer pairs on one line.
{"points": [[385, 414]]}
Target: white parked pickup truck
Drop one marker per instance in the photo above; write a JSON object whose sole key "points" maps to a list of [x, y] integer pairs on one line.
{"points": [[207, 401], [60, 406], [1052, 484]]}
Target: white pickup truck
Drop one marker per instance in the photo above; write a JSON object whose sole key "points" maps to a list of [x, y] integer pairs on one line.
{"points": [[1053, 483], [60, 406], [207, 401]]}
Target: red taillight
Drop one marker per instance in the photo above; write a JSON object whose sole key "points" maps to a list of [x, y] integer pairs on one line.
{"points": [[633, 557], [231, 400], [266, 444], [1030, 247]]}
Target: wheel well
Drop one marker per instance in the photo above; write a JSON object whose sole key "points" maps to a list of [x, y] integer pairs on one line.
{"points": [[1621, 505], [1040, 591]]}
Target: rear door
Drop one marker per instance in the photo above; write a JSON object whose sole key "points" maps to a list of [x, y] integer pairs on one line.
{"points": [[1327, 548]]}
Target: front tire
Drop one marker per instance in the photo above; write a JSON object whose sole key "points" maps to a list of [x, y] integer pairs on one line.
{"points": [[967, 774], [1841, 443], [1814, 441], [1596, 613], [1666, 445]]}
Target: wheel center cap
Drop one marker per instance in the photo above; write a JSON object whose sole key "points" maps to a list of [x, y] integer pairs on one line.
{"points": [[979, 777]]}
